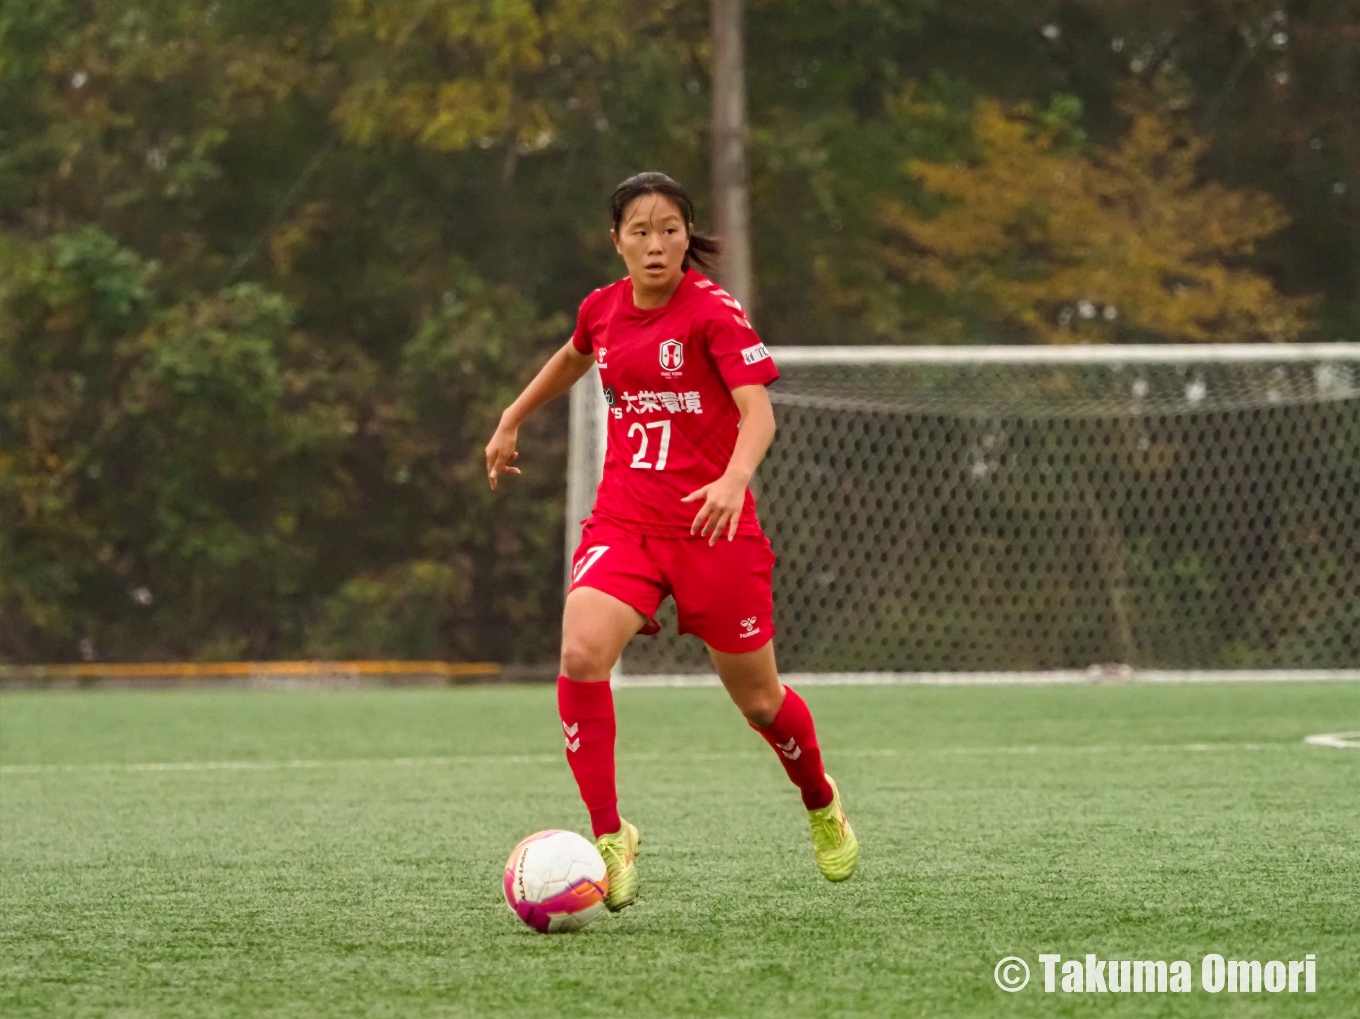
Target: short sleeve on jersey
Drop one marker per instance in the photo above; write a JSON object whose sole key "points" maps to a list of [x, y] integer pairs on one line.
{"points": [[581, 339], [741, 358]]}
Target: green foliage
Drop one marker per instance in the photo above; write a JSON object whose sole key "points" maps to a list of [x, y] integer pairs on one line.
{"points": [[403, 613], [192, 473], [269, 270]]}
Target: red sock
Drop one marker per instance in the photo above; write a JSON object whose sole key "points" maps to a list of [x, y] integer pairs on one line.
{"points": [[587, 711], [795, 740]]}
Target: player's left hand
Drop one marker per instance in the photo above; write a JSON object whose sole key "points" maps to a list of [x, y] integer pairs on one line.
{"points": [[723, 500]]}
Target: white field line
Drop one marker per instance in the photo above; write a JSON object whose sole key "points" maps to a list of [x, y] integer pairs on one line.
{"points": [[473, 760], [265, 765], [1339, 740], [1064, 677]]}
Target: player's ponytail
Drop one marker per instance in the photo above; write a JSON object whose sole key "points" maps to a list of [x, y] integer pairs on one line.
{"points": [[703, 249]]}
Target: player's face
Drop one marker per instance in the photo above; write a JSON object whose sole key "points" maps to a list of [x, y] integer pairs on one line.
{"points": [[652, 238]]}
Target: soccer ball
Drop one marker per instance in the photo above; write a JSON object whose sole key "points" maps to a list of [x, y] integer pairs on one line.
{"points": [[555, 881]]}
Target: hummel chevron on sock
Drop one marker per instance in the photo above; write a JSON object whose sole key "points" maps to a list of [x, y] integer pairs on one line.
{"points": [[795, 741], [587, 711]]}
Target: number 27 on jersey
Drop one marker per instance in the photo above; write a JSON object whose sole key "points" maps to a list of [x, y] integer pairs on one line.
{"points": [[640, 457]]}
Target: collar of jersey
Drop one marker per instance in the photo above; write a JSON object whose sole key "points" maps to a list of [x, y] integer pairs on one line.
{"points": [[631, 310]]}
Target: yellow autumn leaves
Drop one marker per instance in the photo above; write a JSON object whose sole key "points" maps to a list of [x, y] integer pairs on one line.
{"points": [[459, 74], [1085, 245]]}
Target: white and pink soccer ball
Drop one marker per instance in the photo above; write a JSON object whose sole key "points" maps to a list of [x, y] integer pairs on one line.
{"points": [[555, 881]]}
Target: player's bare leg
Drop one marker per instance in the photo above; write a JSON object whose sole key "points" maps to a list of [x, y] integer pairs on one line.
{"points": [[595, 628], [752, 681], [782, 718]]}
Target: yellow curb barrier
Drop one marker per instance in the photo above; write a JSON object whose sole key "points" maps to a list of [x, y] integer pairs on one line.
{"points": [[215, 670]]}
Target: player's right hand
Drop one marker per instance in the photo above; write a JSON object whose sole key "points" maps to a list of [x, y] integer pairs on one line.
{"points": [[501, 454]]}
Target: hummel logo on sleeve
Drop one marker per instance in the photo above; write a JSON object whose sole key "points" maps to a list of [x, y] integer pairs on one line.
{"points": [[756, 353]]}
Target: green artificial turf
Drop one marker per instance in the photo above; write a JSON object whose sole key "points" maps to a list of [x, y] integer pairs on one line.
{"points": [[339, 853]]}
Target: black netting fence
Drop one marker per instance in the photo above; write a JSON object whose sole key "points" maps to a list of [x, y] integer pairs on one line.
{"points": [[1017, 517]]}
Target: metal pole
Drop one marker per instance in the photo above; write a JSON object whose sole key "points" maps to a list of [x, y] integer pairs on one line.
{"points": [[730, 193], [586, 438]]}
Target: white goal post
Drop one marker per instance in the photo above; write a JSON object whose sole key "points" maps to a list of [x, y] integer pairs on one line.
{"points": [[1046, 514]]}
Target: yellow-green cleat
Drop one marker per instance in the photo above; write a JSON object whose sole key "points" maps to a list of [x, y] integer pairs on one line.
{"points": [[620, 852], [833, 840]]}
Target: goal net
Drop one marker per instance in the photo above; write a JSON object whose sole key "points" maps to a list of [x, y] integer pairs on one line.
{"points": [[1038, 508]]}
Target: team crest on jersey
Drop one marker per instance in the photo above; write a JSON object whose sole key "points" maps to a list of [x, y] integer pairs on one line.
{"points": [[672, 355], [610, 397]]}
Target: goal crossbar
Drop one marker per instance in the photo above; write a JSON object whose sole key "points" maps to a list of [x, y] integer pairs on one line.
{"points": [[1076, 354]]}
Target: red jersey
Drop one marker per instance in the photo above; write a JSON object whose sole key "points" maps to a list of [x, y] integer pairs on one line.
{"points": [[668, 375]]}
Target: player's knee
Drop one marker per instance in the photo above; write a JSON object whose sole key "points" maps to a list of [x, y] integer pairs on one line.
{"points": [[760, 710], [583, 659]]}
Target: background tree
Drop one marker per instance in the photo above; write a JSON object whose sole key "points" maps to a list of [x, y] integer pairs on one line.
{"points": [[269, 270], [1068, 244]]}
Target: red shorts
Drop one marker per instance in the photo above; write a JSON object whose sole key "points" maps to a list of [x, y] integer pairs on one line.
{"points": [[722, 591]]}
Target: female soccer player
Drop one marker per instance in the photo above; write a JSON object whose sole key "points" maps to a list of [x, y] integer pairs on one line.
{"points": [[684, 378]]}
